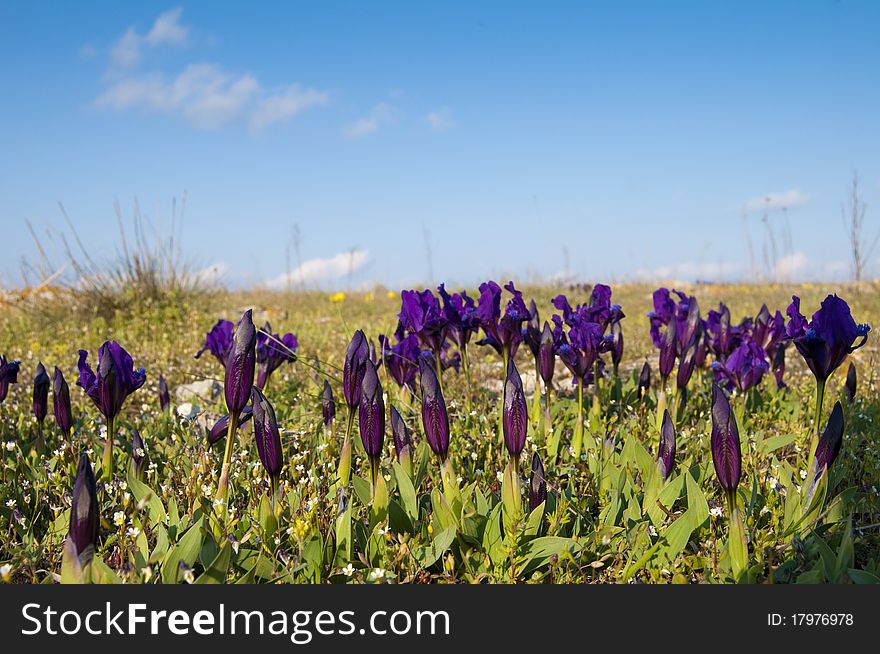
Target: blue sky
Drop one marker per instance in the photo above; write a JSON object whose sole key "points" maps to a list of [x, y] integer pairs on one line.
{"points": [[607, 141]]}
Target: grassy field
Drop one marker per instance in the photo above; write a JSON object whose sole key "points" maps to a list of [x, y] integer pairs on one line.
{"points": [[608, 517]]}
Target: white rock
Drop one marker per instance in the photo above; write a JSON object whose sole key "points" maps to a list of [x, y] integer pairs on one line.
{"points": [[206, 390]]}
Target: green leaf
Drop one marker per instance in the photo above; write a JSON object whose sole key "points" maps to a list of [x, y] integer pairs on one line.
{"points": [[216, 572], [427, 555], [407, 492], [343, 538], [493, 540], [696, 502], [862, 577], [142, 492], [186, 550], [539, 551]]}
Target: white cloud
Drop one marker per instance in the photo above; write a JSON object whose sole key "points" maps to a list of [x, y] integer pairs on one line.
{"points": [[791, 266], [284, 104], [782, 200], [205, 95], [212, 274], [690, 270], [440, 120], [382, 114], [167, 30], [318, 270]]}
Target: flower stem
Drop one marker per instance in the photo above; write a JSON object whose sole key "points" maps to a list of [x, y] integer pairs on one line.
{"points": [[578, 438], [222, 495], [107, 461], [820, 397]]}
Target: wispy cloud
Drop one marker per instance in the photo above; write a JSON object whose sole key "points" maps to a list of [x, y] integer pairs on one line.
{"points": [[440, 120], [781, 200], [690, 270], [314, 272], [167, 30], [382, 114], [790, 266], [206, 95]]}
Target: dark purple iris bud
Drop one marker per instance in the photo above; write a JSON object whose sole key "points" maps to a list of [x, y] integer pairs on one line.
{"points": [[421, 314], [616, 343], [532, 330], [435, 419], [328, 405], [139, 457], [828, 338], [240, 365], [61, 402], [779, 365], [115, 381], [726, 453], [403, 445], [41, 392], [266, 433], [546, 359], [831, 440], [372, 413], [221, 427], [767, 330], [687, 364], [273, 350], [851, 382], [401, 359], [356, 358], [164, 394], [702, 347], [218, 341], [667, 351], [666, 452], [84, 517], [8, 375], [644, 381], [461, 315], [503, 333], [743, 368], [687, 322], [537, 483], [515, 414]]}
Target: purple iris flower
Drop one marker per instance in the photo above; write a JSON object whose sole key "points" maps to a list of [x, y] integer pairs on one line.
{"points": [[115, 381], [221, 427], [328, 404], [515, 419], [8, 375], [779, 365], [272, 351], [41, 393], [828, 338], [401, 359], [403, 445], [851, 382], [666, 452], [830, 441], [724, 337], [240, 364], [266, 434], [84, 518], [371, 413], [461, 316], [580, 348], [356, 357], [164, 395], [744, 367], [139, 457], [532, 331], [435, 418], [218, 341], [421, 314], [677, 331], [61, 403], [503, 332], [726, 454], [537, 483]]}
